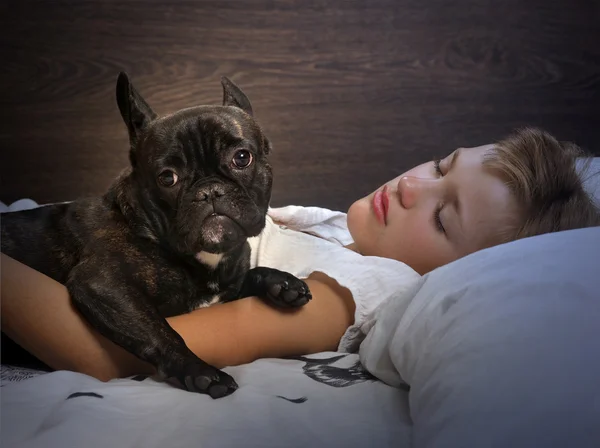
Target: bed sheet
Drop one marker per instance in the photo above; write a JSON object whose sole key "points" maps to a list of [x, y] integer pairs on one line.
{"points": [[322, 400]]}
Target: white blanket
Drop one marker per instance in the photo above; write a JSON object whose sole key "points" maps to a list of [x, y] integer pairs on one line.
{"points": [[324, 400]]}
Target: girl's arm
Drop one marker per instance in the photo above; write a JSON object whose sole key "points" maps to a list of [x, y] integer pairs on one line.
{"points": [[37, 314]]}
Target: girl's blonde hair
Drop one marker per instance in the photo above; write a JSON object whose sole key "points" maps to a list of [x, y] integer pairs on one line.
{"points": [[544, 178]]}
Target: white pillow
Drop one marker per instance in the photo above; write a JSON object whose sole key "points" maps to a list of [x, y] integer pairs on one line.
{"points": [[500, 348]]}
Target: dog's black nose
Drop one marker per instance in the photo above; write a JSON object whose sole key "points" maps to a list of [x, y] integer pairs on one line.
{"points": [[210, 193]]}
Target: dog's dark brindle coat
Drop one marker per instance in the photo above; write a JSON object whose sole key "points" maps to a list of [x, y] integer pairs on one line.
{"points": [[169, 236]]}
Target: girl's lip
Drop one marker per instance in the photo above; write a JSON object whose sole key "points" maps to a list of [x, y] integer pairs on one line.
{"points": [[381, 203]]}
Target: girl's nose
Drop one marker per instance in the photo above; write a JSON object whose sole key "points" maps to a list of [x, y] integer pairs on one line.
{"points": [[412, 189]]}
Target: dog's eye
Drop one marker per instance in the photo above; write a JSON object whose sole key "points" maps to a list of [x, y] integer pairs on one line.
{"points": [[242, 159], [167, 178]]}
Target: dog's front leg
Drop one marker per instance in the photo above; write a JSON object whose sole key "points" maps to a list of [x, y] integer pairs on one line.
{"points": [[281, 288], [120, 313]]}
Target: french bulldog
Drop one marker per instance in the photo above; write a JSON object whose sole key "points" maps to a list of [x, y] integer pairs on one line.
{"points": [[169, 236]]}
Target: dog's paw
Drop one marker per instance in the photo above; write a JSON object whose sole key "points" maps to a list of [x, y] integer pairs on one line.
{"points": [[197, 376], [287, 291]]}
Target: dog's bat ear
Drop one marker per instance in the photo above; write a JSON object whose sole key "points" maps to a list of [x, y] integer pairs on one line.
{"points": [[135, 111], [233, 96]]}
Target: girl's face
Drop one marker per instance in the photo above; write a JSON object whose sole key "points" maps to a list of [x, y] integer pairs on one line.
{"points": [[434, 213]]}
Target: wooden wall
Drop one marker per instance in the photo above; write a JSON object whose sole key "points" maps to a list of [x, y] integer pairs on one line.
{"points": [[350, 92]]}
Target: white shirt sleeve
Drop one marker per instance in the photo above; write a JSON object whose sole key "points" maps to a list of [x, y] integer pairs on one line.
{"points": [[371, 280]]}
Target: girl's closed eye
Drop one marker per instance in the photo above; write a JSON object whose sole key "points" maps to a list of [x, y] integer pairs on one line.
{"points": [[438, 220]]}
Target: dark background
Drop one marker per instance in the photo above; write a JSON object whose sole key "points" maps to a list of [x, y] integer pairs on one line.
{"points": [[351, 93]]}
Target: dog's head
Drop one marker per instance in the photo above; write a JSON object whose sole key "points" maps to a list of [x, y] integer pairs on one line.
{"points": [[200, 174]]}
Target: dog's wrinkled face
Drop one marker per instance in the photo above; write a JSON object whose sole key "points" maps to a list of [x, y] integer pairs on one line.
{"points": [[202, 172], [205, 169]]}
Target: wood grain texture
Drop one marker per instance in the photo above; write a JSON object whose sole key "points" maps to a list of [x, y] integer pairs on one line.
{"points": [[351, 93]]}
